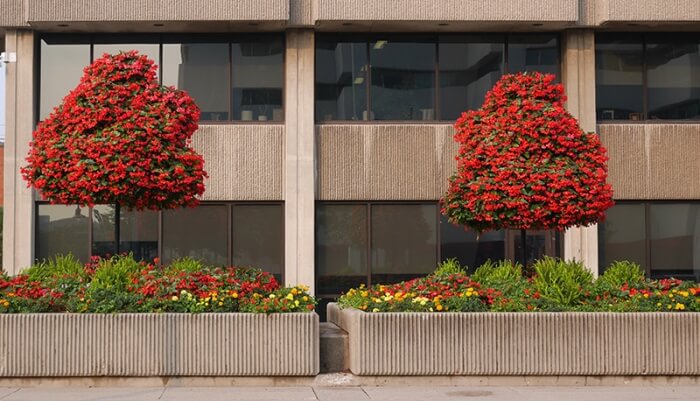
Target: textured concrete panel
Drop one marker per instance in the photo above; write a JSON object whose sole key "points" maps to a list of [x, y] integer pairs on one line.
{"points": [[647, 10], [244, 162], [229, 344], [448, 10], [521, 343], [302, 13], [653, 161], [385, 162], [157, 10], [12, 13]]}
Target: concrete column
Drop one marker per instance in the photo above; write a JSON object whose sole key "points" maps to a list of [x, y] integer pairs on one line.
{"points": [[299, 165], [18, 224], [579, 83]]}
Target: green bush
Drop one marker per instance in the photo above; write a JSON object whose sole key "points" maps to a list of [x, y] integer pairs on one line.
{"points": [[186, 264], [622, 272], [503, 271], [449, 267], [115, 273], [59, 265], [562, 282]]}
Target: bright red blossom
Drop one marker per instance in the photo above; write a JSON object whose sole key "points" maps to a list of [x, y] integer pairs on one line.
{"points": [[524, 162], [119, 137]]}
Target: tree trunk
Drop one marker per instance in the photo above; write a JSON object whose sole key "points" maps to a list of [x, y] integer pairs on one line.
{"points": [[523, 248]]}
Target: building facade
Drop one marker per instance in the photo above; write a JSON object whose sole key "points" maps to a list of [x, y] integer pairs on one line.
{"points": [[327, 127]]}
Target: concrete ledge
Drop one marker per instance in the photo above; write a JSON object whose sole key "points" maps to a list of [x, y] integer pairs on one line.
{"points": [[610, 11], [233, 344], [12, 13], [558, 344]]}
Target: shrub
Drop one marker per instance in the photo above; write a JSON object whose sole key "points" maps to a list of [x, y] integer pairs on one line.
{"points": [[620, 273], [59, 265], [449, 266], [115, 273], [561, 282], [503, 271], [186, 264]]}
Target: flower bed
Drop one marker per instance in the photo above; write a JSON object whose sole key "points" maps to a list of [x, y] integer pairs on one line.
{"points": [[420, 327], [124, 321]]}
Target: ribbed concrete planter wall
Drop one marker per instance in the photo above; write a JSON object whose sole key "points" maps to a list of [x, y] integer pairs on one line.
{"points": [[226, 344], [521, 343]]}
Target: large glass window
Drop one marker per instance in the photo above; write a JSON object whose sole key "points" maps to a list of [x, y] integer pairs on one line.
{"points": [[462, 244], [648, 76], [663, 237], [226, 233], [419, 78], [230, 78]]}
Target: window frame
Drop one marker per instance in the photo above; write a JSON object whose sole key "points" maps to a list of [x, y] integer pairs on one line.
{"points": [[160, 39], [433, 38]]}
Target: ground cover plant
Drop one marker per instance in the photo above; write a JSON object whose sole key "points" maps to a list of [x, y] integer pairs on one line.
{"points": [[122, 284], [556, 286]]}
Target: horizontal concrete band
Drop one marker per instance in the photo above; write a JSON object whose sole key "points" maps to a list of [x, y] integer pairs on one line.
{"points": [[521, 343], [45, 345]]}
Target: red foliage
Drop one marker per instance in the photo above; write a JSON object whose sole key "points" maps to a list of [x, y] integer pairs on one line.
{"points": [[524, 162], [119, 138]]}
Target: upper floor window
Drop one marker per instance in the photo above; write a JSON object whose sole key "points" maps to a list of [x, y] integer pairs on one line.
{"points": [[230, 78], [647, 76], [409, 77]]}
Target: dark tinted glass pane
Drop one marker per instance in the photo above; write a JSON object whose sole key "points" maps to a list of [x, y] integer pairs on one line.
{"points": [[258, 237], [200, 233], [533, 53], [404, 242], [469, 67], [138, 234], [257, 80], [622, 236], [60, 71], [150, 50], [456, 242], [403, 80], [201, 69], [673, 63], [62, 230], [341, 80], [341, 247], [104, 243], [618, 75], [675, 240]]}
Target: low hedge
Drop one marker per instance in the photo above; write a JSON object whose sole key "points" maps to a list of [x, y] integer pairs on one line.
{"points": [[122, 284], [555, 286]]}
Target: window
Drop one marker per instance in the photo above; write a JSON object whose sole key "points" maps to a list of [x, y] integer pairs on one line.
{"points": [[222, 233], [419, 78], [663, 237], [647, 76], [231, 78]]}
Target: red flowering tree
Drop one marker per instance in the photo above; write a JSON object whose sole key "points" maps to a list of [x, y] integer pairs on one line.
{"points": [[118, 138], [524, 162]]}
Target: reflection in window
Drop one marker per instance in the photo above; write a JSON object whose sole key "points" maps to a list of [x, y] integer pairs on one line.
{"points": [[149, 50], [257, 80], [202, 70], [622, 235], [533, 53], [341, 247], [469, 67], [104, 242], [258, 237], [675, 240], [62, 230], [403, 80], [673, 76], [138, 233], [341, 80], [619, 65], [456, 242], [60, 71], [404, 240], [199, 233]]}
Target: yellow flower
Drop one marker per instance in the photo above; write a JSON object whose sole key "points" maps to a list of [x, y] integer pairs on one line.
{"points": [[646, 295], [221, 303], [669, 307], [290, 296], [234, 295], [272, 295], [438, 307], [364, 294], [296, 303], [305, 298], [679, 306], [684, 293], [174, 298], [375, 310], [658, 304], [294, 291]]}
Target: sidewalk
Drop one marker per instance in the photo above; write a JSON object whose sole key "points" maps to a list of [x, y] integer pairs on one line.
{"points": [[383, 393]]}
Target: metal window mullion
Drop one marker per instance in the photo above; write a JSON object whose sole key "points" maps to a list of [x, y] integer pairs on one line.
{"points": [[645, 81]]}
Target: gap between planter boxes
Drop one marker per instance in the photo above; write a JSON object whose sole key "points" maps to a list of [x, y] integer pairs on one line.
{"points": [[150, 344], [542, 343]]}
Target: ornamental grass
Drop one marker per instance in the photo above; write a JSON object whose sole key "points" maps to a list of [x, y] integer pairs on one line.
{"points": [[122, 284], [556, 286]]}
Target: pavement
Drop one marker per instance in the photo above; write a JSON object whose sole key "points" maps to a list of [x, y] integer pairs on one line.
{"points": [[355, 393]]}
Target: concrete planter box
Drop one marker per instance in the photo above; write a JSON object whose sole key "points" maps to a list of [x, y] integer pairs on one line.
{"points": [[521, 343], [226, 344]]}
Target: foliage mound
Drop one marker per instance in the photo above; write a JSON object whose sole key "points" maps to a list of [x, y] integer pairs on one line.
{"points": [[556, 286], [121, 284], [120, 138], [524, 162]]}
